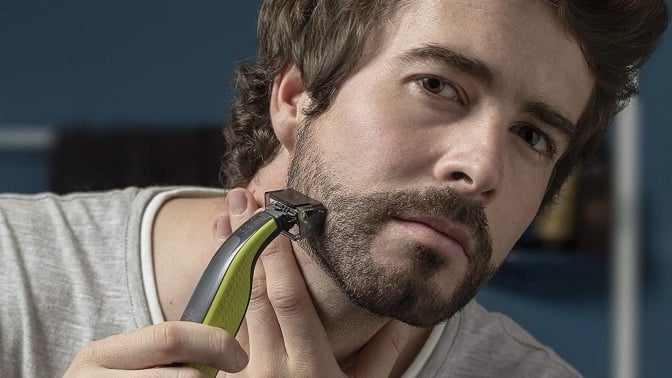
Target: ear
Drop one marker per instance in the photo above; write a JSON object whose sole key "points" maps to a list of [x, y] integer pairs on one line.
{"points": [[285, 105]]}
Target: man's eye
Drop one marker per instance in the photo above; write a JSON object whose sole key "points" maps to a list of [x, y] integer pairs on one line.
{"points": [[536, 139], [439, 87]]}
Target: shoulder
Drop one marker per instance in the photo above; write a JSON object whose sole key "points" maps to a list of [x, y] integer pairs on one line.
{"points": [[481, 343], [19, 202], [76, 205], [49, 216]]}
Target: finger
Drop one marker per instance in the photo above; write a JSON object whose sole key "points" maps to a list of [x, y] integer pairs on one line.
{"points": [[241, 205], [302, 329], [264, 331], [265, 337], [222, 228], [379, 355], [167, 343]]}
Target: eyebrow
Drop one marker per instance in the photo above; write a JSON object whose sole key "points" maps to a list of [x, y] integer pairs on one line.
{"points": [[482, 72], [469, 65], [547, 115]]}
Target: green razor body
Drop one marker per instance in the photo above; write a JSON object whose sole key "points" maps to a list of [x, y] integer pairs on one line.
{"points": [[222, 295]]}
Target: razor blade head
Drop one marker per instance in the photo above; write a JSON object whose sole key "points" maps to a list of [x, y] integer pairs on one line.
{"points": [[304, 215]]}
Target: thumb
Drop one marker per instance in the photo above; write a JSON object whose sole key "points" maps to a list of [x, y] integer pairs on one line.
{"points": [[378, 357]]}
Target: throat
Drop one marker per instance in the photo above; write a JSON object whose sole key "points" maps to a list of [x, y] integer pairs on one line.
{"points": [[350, 335], [349, 327]]}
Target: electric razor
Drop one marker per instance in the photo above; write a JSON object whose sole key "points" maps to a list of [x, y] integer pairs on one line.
{"points": [[223, 292]]}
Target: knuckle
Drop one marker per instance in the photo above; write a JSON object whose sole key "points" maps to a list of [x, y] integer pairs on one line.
{"points": [[258, 288], [285, 298], [276, 247], [273, 248], [168, 338]]}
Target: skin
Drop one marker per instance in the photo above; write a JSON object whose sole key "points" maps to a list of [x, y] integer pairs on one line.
{"points": [[392, 126]]}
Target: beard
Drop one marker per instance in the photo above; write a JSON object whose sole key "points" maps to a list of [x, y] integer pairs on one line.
{"points": [[345, 249]]}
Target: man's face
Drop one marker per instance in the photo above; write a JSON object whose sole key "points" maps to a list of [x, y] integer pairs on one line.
{"points": [[436, 153]]}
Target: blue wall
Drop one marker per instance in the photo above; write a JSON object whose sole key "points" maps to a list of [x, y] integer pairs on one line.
{"points": [[63, 61], [164, 61]]}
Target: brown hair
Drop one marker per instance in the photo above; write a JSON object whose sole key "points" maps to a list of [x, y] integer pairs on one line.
{"points": [[617, 37], [325, 39]]}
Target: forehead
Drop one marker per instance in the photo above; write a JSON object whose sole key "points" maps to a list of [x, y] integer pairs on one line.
{"points": [[521, 41]]}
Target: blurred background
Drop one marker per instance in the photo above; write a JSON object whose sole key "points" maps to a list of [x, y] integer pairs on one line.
{"points": [[97, 95]]}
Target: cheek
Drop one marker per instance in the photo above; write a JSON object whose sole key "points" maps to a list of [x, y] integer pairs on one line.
{"points": [[357, 139]]}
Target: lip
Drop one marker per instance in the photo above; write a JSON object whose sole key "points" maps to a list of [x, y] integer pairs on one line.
{"points": [[447, 229]]}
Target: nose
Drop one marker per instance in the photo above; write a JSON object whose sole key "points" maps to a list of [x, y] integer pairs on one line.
{"points": [[472, 163]]}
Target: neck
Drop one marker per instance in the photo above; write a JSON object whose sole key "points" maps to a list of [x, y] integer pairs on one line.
{"points": [[348, 326], [183, 241]]}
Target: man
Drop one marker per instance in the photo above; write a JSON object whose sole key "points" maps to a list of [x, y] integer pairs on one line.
{"points": [[432, 131]]}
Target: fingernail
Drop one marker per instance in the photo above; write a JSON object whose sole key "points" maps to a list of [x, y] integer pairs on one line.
{"points": [[237, 202]]}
